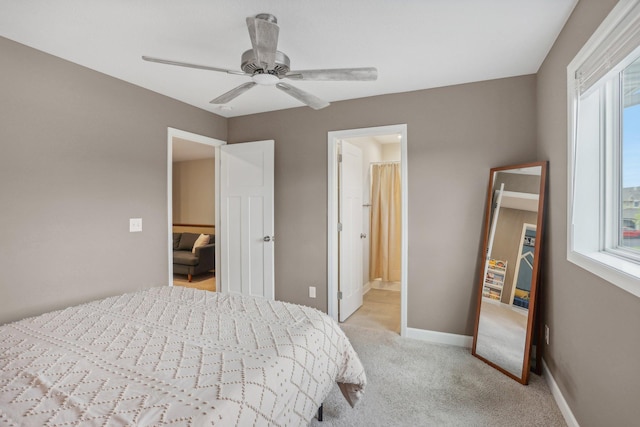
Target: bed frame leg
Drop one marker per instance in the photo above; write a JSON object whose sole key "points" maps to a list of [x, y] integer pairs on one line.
{"points": [[320, 413], [189, 276]]}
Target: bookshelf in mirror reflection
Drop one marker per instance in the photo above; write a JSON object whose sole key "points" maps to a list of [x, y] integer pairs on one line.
{"points": [[494, 279]]}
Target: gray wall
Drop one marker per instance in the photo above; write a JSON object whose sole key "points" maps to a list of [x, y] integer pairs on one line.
{"points": [[194, 185], [81, 153], [520, 183], [593, 354], [455, 135]]}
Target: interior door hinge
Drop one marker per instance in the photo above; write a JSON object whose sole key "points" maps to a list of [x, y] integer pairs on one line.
{"points": [[339, 294], [339, 226], [339, 158]]}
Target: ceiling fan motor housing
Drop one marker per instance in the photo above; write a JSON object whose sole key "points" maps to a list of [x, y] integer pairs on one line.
{"points": [[250, 66], [267, 17]]}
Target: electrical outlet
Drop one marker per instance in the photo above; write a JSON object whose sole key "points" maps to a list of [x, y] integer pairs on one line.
{"points": [[135, 225], [312, 291], [546, 334]]}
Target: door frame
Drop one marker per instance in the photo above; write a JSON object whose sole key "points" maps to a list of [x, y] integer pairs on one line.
{"points": [[200, 139], [332, 214], [525, 226]]}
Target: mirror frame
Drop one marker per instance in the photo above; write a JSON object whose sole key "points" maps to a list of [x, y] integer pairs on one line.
{"points": [[535, 278]]}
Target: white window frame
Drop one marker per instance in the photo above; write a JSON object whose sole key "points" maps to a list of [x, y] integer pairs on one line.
{"points": [[592, 243]]}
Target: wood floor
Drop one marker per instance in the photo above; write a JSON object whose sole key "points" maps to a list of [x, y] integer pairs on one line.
{"points": [[206, 282], [380, 310]]}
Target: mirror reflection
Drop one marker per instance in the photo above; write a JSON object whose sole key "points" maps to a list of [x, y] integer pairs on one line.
{"points": [[509, 269]]}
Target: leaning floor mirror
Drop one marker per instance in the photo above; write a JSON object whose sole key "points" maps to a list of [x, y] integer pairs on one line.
{"points": [[510, 268]]}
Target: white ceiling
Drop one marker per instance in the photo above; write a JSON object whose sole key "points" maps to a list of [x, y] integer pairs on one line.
{"points": [[415, 44]]}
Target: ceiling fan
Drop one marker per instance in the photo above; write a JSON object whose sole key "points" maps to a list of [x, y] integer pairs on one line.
{"points": [[266, 65]]}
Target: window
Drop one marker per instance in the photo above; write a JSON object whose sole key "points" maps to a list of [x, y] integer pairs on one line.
{"points": [[604, 150], [628, 232]]}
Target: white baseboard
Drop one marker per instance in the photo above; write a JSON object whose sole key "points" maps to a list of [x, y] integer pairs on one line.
{"points": [[557, 395], [440, 337], [366, 288]]}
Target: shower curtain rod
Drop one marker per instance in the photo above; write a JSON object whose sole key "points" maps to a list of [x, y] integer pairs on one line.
{"points": [[380, 163]]}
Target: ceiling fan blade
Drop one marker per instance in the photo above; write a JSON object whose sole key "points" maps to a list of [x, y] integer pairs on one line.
{"points": [[186, 64], [302, 96], [233, 93], [263, 31], [336, 74]]}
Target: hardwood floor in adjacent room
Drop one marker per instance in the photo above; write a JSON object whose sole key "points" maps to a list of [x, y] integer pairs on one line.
{"points": [[206, 282], [380, 310]]}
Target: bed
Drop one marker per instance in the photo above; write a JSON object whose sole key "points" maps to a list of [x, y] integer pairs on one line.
{"points": [[174, 356]]}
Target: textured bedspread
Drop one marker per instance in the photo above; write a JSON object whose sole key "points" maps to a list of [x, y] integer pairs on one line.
{"points": [[174, 356]]}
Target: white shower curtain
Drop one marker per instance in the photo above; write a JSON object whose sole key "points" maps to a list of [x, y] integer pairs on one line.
{"points": [[385, 229]]}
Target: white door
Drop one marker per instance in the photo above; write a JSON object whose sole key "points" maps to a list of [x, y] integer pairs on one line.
{"points": [[350, 216], [245, 232]]}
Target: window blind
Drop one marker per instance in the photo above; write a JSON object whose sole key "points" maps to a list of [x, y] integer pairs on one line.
{"points": [[614, 48]]}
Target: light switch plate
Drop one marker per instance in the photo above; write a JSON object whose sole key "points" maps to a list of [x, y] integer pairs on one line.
{"points": [[135, 225]]}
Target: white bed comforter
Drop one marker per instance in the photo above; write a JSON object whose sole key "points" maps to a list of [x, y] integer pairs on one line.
{"points": [[174, 356]]}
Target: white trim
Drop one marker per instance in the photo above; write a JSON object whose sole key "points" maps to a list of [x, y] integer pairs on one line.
{"points": [[437, 337], [404, 176], [366, 288], [200, 139], [332, 214], [569, 418], [617, 271]]}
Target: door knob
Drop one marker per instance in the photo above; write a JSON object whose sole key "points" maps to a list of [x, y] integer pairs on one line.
{"points": [[363, 236], [269, 238]]}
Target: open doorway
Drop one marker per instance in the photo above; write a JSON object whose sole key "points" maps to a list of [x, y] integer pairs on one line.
{"points": [[192, 209], [367, 238]]}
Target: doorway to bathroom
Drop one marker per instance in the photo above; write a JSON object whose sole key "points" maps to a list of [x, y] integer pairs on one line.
{"points": [[367, 220]]}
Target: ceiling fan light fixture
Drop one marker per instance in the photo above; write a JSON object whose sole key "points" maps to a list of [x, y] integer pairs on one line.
{"points": [[265, 79]]}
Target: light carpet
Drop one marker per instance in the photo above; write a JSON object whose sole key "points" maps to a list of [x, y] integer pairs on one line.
{"points": [[415, 383]]}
